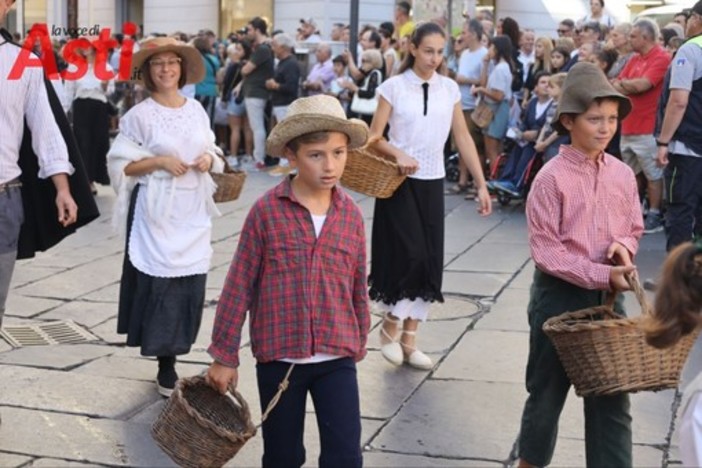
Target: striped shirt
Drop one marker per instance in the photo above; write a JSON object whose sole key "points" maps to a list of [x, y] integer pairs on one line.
{"points": [[305, 295], [26, 98], [575, 210]]}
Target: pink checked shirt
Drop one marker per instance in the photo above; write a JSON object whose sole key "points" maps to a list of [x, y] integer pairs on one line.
{"points": [[305, 295], [575, 210]]}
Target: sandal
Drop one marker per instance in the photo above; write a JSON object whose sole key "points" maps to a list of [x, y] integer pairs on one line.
{"points": [[415, 358], [391, 350]]}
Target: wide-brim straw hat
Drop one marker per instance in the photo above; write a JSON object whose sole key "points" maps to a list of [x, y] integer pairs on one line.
{"points": [[315, 114], [194, 64], [585, 83]]}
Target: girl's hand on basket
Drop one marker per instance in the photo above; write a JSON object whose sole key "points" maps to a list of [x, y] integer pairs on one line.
{"points": [[173, 165], [203, 163], [220, 377], [408, 165], [484, 201]]}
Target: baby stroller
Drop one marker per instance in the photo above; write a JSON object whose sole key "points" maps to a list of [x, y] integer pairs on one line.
{"points": [[516, 173]]}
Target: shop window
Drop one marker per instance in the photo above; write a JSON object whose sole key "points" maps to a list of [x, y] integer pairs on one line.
{"points": [[234, 14]]}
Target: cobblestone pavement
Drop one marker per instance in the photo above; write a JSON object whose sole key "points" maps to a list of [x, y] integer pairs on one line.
{"points": [[93, 403]]}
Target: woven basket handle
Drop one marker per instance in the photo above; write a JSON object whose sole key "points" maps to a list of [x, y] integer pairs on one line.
{"points": [[282, 386], [635, 286]]}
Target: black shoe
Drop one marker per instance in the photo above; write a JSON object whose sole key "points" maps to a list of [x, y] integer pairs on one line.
{"points": [[167, 377]]}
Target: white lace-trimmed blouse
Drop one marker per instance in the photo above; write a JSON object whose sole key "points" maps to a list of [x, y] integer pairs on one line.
{"points": [[171, 231], [421, 136]]}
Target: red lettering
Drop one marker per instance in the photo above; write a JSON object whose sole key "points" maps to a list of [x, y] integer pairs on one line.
{"points": [[125, 56], [38, 34], [102, 45], [74, 58]]}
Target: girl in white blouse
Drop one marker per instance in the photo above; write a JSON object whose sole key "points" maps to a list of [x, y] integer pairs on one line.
{"points": [[159, 166], [421, 107]]}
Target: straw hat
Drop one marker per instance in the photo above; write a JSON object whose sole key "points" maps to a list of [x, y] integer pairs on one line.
{"points": [[195, 67], [315, 114], [585, 83]]}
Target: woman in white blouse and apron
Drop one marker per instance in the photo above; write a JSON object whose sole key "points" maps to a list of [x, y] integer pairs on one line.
{"points": [[159, 165]]}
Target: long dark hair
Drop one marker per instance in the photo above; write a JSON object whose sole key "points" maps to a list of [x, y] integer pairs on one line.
{"points": [[503, 50], [510, 28], [420, 32]]}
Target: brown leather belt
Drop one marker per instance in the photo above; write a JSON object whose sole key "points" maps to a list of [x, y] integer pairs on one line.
{"points": [[15, 183]]}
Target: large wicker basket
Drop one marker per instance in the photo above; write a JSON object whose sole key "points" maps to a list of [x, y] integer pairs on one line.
{"points": [[199, 427], [372, 173], [605, 354], [229, 183]]}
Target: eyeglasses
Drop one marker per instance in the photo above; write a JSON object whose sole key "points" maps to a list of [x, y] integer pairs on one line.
{"points": [[563, 31], [172, 62]]}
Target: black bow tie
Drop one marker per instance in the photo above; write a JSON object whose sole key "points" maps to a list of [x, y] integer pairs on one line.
{"points": [[425, 86]]}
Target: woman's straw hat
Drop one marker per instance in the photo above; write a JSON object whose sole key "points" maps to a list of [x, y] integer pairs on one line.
{"points": [[194, 64], [315, 114], [585, 83]]}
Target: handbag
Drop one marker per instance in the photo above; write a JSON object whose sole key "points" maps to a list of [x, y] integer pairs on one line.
{"points": [[366, 106], [482, 114]]}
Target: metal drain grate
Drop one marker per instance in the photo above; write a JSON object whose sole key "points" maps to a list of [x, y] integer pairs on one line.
{"points": [[42, 334]]}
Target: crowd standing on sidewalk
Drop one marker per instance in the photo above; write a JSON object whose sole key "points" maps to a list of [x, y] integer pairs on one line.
{"points": [[554, 114]]}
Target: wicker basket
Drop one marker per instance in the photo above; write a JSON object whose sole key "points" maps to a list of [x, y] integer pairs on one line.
{"points": [[229, 183], [199, 427], [372, 173], [604, 354]]}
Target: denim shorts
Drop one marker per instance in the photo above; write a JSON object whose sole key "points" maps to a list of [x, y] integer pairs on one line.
{"points": [[234, 109], [500, 121]]}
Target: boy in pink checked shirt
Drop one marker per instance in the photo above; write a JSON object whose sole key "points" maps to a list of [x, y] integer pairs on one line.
{"points": [[584, 221], [300, 271]]}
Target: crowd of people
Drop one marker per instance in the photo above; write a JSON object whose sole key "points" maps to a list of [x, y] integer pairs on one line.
{"points": [[609, 108]]}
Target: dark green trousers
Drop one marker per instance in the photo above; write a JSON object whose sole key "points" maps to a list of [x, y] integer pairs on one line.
{"points": [[607, 419]]}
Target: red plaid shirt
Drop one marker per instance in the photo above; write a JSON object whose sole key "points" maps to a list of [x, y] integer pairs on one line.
{"points": [[575, 210], [306, 295]]}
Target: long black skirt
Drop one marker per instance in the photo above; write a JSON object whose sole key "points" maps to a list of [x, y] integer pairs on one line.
{"points": [[162, 315], [407, 251], [91, 126]]}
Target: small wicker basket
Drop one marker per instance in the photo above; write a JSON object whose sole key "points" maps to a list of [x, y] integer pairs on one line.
{"points": [[199, 427], [229, 183], [604, 353], [372, 173]]}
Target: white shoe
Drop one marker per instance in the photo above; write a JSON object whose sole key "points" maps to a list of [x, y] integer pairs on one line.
{"points": [[391, 351], [416, 358]]}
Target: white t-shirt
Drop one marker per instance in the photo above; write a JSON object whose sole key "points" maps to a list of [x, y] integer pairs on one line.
{"points": [[470, 65], [421, 136], [501, 78]]}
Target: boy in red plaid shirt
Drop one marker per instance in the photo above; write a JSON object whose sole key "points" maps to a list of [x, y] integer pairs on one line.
{"points": [[300, 271]]}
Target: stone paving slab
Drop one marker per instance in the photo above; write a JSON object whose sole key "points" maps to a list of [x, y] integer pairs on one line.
{"points": [[377, 459], [508, 313], [56, 356], [482, 416], [11, 460], [79, 438], [107, 331], [571, 453], [433, 337], [474, 284], [86, 313], [55, 462], [525, 277], [77, 282], [70, 392], [497, 257], [27, 307], [487, 356], [31, 273], [106, 294], [133, 368]]}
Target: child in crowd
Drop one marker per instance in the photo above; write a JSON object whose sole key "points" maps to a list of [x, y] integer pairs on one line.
{"points": [[678, 312], [559, 58], [549, 141], [513, 176], [576, 265], [337, 88], [605, 59], [300, 272]]}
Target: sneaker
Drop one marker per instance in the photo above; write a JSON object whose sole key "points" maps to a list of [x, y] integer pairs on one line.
{"points": [[507, 187], [653, 223], [166, 380]]}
